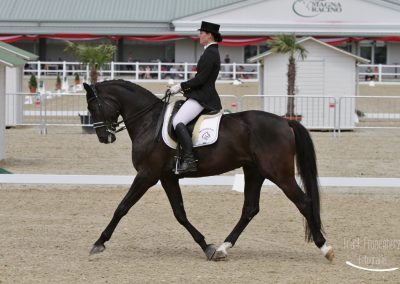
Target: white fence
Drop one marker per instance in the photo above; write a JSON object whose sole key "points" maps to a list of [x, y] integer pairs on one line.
{"points": [[379, 73], [322, 113], [141, 71], [64, 109], [162, 71], [316, 112], [371, 111]]}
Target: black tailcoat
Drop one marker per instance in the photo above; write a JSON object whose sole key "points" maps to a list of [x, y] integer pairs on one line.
{"points": [[202, 86]]}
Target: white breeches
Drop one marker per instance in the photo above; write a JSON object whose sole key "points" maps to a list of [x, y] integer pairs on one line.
{"points": [[188, 111]]}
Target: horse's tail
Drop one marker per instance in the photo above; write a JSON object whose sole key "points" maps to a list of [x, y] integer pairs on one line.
{"points": [[307, 167]]}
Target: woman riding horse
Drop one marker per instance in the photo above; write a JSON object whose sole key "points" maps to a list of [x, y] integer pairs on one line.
{"points": [[200, 93]]}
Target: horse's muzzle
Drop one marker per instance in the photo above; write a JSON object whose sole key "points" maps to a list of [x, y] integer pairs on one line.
{"points": [[110, 138]]}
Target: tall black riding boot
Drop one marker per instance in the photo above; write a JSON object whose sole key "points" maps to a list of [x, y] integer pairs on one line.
{"points": [[189, 163]]}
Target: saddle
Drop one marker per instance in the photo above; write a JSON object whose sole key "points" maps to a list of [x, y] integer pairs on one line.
{"points": [[204, 128]]}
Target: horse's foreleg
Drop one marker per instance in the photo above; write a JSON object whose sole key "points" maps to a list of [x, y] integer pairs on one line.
{"points": [[173, 191], [252, 188], [140, 185]]}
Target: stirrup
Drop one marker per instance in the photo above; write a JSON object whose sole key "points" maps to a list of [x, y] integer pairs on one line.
{"points": [[191, 166]]}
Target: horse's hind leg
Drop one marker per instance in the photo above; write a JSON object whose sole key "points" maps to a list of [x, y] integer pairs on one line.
{"points": [[173, 191], [304, 205], [252, 189], [139, 187]]}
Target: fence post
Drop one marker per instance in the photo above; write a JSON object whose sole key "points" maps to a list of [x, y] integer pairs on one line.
{"points": [[112, 70], [88, 73], [339, 116], [335, 111], [43, 119], [159, 70], [186, 72], [137, 70], [64, 70], [380, 72], [39, 67], [234, 71]]}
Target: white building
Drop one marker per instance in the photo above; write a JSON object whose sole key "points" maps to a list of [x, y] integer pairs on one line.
{"points": [[167, 29], [323, 77], [11, 60]]}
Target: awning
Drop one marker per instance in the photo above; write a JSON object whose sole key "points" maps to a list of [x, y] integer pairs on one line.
{"points": [[227, 40]]}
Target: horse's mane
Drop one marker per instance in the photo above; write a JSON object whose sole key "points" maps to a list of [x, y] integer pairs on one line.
{"points": [[132, 87]]}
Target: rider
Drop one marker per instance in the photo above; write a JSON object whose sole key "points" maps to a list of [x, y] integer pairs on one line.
{"points": [[199, 91]]}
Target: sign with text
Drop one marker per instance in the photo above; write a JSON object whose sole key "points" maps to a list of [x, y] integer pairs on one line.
{"points": [[313, 8]]}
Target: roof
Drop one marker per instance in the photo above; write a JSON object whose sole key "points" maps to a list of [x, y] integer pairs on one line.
{"points": [[393, 1], [104, 10], [10, 60], [110, 11], [12, 56], [98, 17], [268, 53], [17, 51]]}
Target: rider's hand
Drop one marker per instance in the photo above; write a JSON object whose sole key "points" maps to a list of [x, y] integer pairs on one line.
{"points": [[175, 89]]}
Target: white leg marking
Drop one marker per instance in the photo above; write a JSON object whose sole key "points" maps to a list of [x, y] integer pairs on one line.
{"points": [[325, 249], [224, 247], [328, 252]]}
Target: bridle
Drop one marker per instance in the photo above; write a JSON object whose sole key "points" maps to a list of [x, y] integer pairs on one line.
{"points": [[112, 127]]}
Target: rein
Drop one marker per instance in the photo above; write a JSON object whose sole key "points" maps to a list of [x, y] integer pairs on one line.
{"points": [[111, 127], [166, 98], [138, 114]]}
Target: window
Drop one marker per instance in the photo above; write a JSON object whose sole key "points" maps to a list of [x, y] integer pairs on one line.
{"points": [[366, 52], [249, 51], [253, 50], [345, 46], [376, 52], [380, 55]]}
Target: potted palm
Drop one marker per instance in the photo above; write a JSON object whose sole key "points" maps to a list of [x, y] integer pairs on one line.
{"points": [[96, 57], [77, 79], [33, 84], [287, 44]]}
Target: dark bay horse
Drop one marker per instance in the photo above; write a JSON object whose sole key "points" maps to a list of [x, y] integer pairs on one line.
{"points": [[265, 145]]}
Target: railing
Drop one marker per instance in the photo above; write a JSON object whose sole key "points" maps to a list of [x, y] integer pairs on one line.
{"points": [[140, 71], [316, 112], [322, 113], [370, 111], [161, 71], [65, 109], [379, 73]]}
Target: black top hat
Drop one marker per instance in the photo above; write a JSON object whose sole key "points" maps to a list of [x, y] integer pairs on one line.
{"points": [[211, 28]]}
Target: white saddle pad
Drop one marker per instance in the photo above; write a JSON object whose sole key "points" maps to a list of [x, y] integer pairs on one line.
{"points": [[205, 131]]}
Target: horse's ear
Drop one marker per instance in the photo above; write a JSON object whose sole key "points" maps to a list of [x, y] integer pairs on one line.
{"points": [[87, 88], [89, 91]]}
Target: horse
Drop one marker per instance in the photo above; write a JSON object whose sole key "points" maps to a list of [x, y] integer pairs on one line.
{"points": [[265, 145]]}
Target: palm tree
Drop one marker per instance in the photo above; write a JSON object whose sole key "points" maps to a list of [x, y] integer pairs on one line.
{"points": [[287, 44], [96, 56]]}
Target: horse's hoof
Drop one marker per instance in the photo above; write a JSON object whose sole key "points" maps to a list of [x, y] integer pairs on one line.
{"points": [[97, 249], [220, 255], [210, 251], [330, 254]]}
